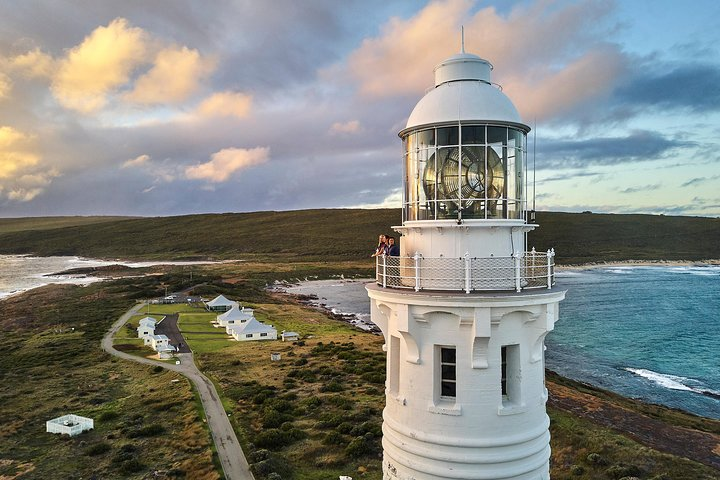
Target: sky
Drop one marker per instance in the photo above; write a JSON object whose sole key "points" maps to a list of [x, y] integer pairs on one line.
{"points": [[171, 107]]}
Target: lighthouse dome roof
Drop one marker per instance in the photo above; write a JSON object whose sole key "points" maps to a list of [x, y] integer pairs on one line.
{"points": [[463, 92]]}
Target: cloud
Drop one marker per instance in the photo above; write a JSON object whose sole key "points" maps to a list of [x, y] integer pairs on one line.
{"points": [[34, 63], [639, 145], [136, 162], [226, 104], [548, 59], [570, 175], [685, 86], [5, 86], [22, 174], [642, 188], [352, 126], [700, 180], [103, 62], [227, 161], [175, 75]]}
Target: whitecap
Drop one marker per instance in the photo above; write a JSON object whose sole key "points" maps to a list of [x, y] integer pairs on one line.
{"points": [[675, 382]]}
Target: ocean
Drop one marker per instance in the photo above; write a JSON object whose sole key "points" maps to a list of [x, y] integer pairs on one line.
{"points": [[19, 273], [651, 333]]}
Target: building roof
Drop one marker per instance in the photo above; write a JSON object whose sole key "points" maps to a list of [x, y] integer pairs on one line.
{"points": [[252, 326], [158, 338], [147, 322], [220, 301], [236, 313], [463, 92]]}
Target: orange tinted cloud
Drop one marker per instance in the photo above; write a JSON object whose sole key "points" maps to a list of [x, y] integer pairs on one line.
{"points": [[534, 50], [226, 162], [34, 63], [175, 75], [22, 175], [102, 62], [226, 104]]}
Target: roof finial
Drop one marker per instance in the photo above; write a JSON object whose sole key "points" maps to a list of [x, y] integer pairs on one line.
{"points": [[462, 39]]}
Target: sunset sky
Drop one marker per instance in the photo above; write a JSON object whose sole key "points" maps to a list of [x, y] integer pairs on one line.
{"points": [[169, 107]]}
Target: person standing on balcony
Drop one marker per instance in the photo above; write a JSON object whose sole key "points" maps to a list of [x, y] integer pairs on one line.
{"points": [[392, 249], [382, 246]]}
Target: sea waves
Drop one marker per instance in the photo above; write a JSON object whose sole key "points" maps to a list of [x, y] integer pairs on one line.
{"points": [[675, 382]]}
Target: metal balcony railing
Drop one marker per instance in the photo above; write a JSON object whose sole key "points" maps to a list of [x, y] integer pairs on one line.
{"points": [[467, 274]]}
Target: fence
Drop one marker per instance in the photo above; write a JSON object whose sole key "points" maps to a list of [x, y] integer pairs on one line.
{"points": [[518, 272]]}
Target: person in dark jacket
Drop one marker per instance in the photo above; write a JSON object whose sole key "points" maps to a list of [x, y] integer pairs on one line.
{"points": [[392, 249]]}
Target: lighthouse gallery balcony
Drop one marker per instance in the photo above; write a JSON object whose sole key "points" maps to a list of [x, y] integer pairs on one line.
{"points": [[467, 274]]}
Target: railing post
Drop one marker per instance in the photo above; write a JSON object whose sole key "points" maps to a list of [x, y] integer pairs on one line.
{"points": [[516, 259], [550, 254], [384, 271], [416, 257], [468, 270]]}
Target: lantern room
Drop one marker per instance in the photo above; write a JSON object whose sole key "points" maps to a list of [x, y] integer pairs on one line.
{"points": [[465, 148]]}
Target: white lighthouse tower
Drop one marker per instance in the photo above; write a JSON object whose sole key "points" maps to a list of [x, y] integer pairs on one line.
{"points": [[465, 309]]}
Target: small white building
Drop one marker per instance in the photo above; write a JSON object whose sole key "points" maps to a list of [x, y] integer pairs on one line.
{"points": [[219, 304], [146, 327], [289, 336], [69, 425], [160, 342], [253, 330], [235, 316]]}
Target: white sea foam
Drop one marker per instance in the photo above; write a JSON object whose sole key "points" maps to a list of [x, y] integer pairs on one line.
{"points": [[674, 382]]}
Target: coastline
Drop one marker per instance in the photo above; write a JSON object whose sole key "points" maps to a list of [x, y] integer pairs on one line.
{"points": [[638, 263]]}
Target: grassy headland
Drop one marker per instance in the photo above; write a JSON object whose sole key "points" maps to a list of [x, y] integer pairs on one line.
{"points": [[314, 414], [343, 234]]}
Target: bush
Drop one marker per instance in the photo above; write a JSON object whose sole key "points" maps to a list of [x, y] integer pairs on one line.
{"points": [[332, 386], [157, 369], [577, 470], [300, 362], [334, 438], [619, 471], [596, 459], [274, 439], [108, 415], [97, 449], [132, 466], [270, 466], [150, 431], [361, 446]]}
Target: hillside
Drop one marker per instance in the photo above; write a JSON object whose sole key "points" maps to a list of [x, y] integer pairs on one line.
{"points": [[337, 234]]}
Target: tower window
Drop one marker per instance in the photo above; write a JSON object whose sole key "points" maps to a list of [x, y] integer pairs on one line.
{"points": [[448, 369], [394, 365], [510, 373]]}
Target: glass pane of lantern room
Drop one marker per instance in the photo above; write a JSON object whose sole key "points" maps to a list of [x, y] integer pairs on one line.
{"points": [[447, 136], [473, 135], [473, 182], [495, 180], [448, 179], [426, 138], [411, 179], [426, 208]]}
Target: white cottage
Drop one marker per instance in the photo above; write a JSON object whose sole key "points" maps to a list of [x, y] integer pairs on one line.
{"points": [[220, 304], [253, 330], [69, 425], [160, 342], [146, 327], [234, 316]]}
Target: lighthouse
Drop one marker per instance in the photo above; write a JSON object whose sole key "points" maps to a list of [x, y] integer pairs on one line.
{"points": [[465, 308]]}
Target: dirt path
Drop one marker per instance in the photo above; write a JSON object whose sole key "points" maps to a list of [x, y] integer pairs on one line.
{"points": [[684, 442], [232, 458]]}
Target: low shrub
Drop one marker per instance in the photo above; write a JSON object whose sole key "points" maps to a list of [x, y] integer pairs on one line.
{"points": [[97, 449]]}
